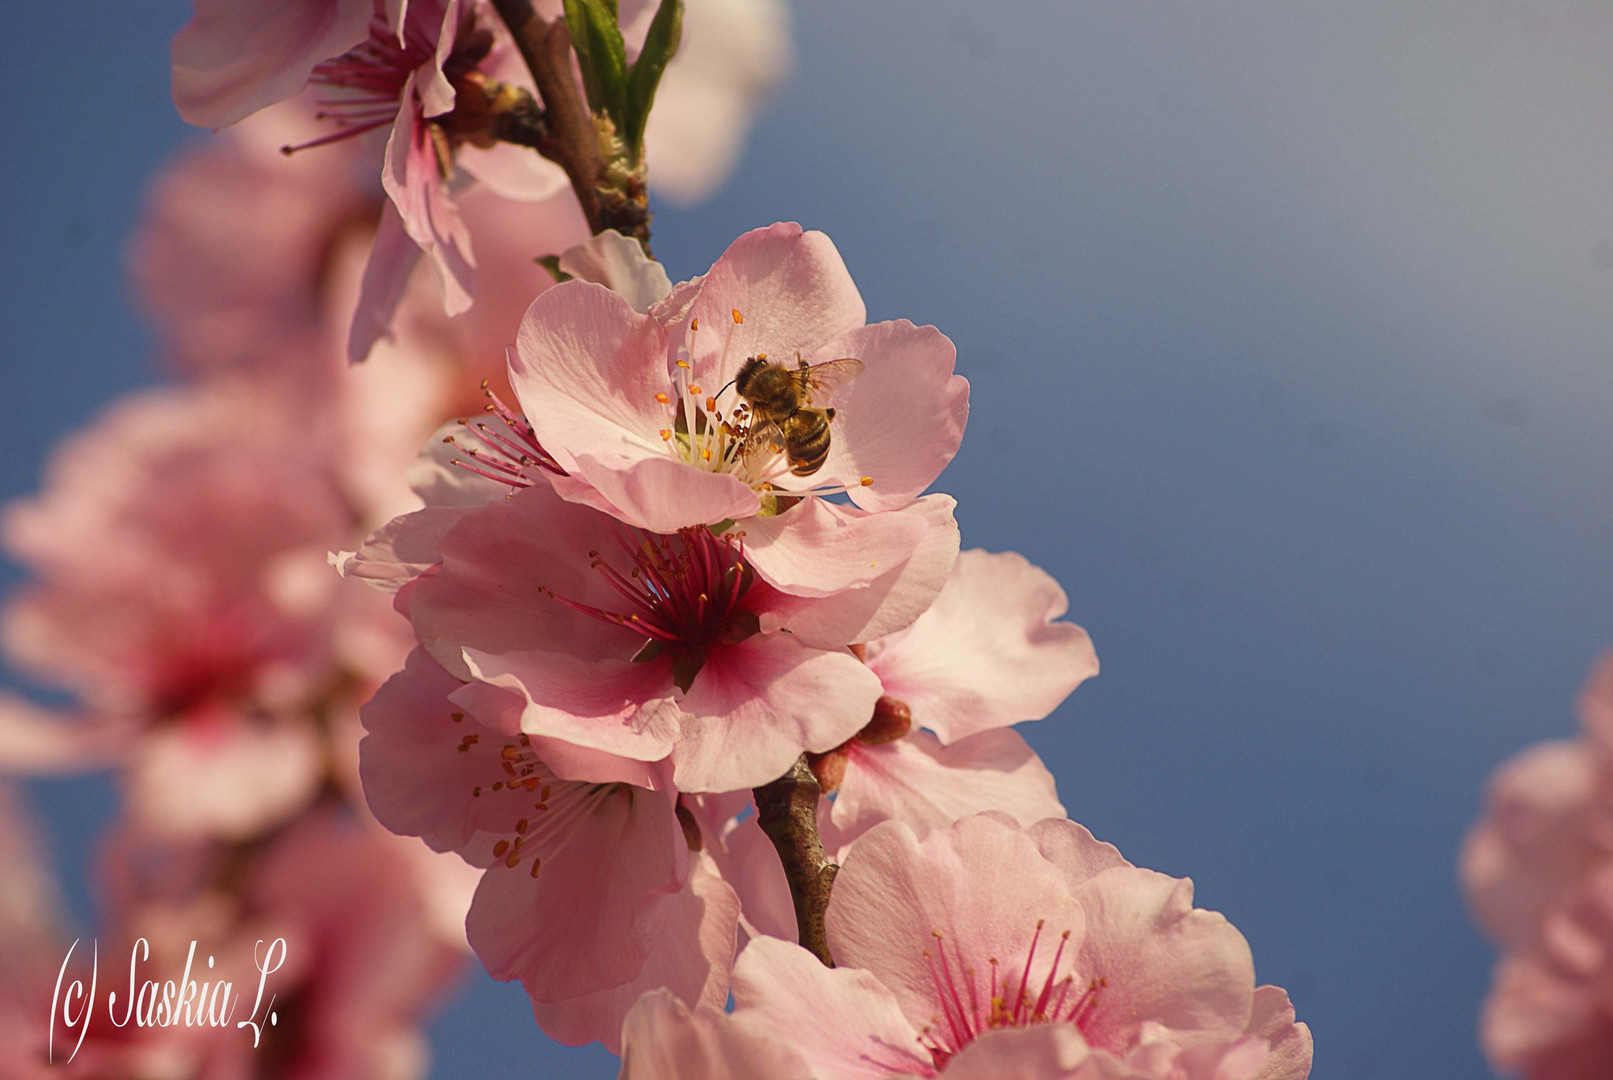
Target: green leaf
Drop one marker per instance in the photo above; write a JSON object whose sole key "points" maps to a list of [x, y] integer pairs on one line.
{"points": [[601, 54], [660, 44]]}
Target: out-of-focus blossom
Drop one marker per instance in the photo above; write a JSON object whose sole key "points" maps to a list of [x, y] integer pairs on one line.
{"points": [[181, 592], [363, 966], [245, 257], [435, 72], [661, 452], [987, 950], [1538, 870], [648, 645], [587, 895]]}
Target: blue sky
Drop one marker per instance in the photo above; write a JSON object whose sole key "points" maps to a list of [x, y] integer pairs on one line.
{"points": [[1290, 328]]}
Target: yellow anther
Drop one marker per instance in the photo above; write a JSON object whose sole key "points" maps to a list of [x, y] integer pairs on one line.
{"points": [[694, 390], [738, 318], [663, 399], [711, 404], [706, 454], [666, 433], [866, 481], [683, 364], [694, 325]]}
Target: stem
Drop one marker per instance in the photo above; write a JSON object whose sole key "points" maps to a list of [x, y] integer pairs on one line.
{"points": [[572, 140], [787, 811]]}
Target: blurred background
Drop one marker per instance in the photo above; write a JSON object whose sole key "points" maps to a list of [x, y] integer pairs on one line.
{"points": [[1290, 328]]}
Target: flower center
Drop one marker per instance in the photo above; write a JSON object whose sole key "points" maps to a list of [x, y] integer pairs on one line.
{"points": [[703, 431], [364, 86], [971, 1007], [544, 811], [681, 592]]}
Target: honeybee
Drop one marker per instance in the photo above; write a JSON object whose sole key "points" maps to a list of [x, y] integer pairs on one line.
{"points": [[781, 405]]}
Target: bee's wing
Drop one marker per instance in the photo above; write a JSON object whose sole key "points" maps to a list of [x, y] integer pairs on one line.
{"points": [[767, 438], [822, 381]]}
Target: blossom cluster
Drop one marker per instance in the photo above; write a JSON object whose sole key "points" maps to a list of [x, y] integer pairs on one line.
{"points": [[668, 560], [1538, 870], [180, 596]]}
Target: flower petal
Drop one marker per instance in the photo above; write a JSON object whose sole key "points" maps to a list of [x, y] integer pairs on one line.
{"points": [[413, 181], [987, 653], [888, 604], [393, 257], [584, 922], [842, 1021], [620, 264], [238, 56], [611, 705], [663, 1039], [792, 291], [900, 904], [899, 422], [691, 955], [818, 548], [918, 781], [755, 706], [587, 368], [1163, 959]]}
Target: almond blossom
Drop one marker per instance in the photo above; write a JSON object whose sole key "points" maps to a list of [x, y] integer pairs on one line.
{"points": [[588, 895], [638, 412], [436, 74], [245, 257], [1538, 870], [647, 645], [430, 71], [176, 554], [988, 950]]}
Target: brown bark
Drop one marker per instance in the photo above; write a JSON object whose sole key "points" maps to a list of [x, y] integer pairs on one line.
{"points": [[787, 811], [570, 137]]}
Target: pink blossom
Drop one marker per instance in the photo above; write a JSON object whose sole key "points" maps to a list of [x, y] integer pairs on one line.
{"points": [[987, 950], [425, 71], [591, 376], [587, 895], [646, 645], [1538, 870], [180, 590]]}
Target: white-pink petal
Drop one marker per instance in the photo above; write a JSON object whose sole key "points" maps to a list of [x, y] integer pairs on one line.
{"points": [[926, 785], [757, 704], [988, 652]]}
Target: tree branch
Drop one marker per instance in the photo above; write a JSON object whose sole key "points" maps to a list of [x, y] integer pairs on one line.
{"points": [[610, 198], [787, 811]]}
